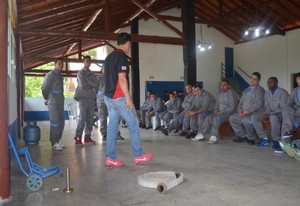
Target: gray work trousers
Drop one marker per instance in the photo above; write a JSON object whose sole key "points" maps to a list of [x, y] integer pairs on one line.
{"points": [[167, 117], [281, 121], [212, 123], [57, 122], [248, 126], [86, 117], [102, 114], [141, 115], [198, 121], [157, 119]]}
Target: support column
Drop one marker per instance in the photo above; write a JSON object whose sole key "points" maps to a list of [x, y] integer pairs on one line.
{"points": [[4, 160], [135, 69], [189, 50]]}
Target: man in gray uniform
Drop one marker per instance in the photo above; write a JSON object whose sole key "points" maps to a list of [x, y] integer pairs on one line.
{"points": [[295, 103], [173, 109], [186, 106], [225, 106], [53, 93], [141, 113], [156, 107], [276, 99], [203, 106], [250, 110], [85, 94]]}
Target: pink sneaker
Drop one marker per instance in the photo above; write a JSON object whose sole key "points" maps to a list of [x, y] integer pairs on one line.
{"points": [[78, 142], [145, 157], [89, 141], [113, 163]]}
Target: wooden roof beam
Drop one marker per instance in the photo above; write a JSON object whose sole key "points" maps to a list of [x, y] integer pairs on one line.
{"points": [[157, 18], [85, 27], [97, 35]]}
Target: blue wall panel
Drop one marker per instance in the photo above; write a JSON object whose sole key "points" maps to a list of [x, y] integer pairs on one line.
{"points": [[39, 116]]}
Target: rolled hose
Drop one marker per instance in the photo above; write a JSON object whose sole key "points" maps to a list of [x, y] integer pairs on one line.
{"points": [[162, 181]]}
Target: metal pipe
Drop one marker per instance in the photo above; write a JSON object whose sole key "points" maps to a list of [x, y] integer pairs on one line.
{"points": [[68, 189]]}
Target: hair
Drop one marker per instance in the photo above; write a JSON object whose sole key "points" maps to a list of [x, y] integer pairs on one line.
{"points": [[198, 86], [225, 80], [273, 78], [171, 93], [257, 74], [57, 59], [123, 38], [298, 75], [87, 57]]}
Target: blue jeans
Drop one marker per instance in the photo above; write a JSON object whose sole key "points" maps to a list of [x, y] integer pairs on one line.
{"points": [[117, 108]]}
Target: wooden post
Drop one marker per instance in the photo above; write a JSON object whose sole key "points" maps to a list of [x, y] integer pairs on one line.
{"points": [[135, 70], [4, 159]]}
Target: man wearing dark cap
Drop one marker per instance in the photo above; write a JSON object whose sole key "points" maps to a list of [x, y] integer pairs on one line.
{"points": [[119, 103], [248, 121]]}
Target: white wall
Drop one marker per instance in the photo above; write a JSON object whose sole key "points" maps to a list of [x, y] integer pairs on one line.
{"points": [[271, 56], [165, 62]]}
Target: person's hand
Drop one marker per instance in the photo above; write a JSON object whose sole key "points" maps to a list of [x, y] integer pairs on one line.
{"points": [[243, 113], [46, 102], [129, 104]]}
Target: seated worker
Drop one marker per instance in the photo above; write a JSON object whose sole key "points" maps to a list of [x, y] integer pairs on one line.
{"points": [[141, 113], [225, 106], [250, 110], [276, 99], [203, 106], [173, 109], [186, 106], [295, 103], [156, 107]]}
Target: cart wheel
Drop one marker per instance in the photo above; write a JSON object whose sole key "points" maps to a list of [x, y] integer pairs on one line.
{"points": [[34, 182]]}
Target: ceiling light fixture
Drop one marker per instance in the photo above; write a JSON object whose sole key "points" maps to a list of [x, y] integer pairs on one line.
{"points": [[256, 30], [202, 45]]}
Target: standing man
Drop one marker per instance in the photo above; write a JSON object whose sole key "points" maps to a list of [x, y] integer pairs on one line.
{"points": [[119, 103], [277, 100], [225, 106], [102, 109], [250, 110], [53, 93], [85, 94]]}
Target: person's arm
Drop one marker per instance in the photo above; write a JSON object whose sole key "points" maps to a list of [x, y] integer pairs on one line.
{"points": [[125, 90], [46, 87]]}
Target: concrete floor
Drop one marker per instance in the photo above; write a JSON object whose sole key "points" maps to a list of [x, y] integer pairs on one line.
{"points": [[223, 174]]}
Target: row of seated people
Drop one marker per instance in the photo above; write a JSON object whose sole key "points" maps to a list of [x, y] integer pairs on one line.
{"points": [[200, 113]]}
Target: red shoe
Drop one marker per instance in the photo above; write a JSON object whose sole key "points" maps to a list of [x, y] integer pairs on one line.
{"points": [[145, 157], [78, 142], [113, 163], [89, 141]]}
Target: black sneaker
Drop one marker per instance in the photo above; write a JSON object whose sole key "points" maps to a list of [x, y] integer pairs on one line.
{"points": [[157, 128], [183, 133], [239, 139], [143, 126], [190, 135], [165, 131], [250, 141], [119, 137], [148, 127]]}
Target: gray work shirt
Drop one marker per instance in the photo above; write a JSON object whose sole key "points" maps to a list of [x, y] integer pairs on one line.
{"points": [[174, 106], [53, 87], [275, 102], [252, 100], [157, 105], [226, 102], [295, 100], [188, 102], [206, 102], [100, 93], [146, 105], [88, 84]]}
